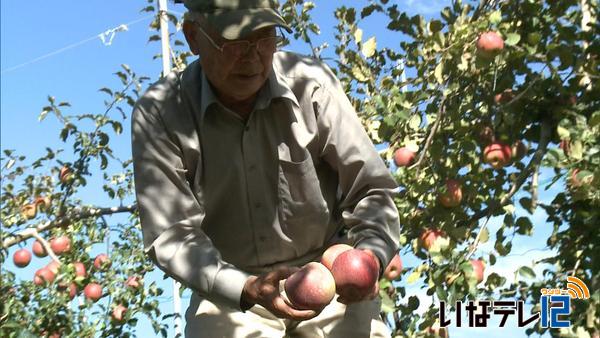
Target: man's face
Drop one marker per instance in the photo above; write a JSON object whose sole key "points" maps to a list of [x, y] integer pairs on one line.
{"points": [[235, 78]]}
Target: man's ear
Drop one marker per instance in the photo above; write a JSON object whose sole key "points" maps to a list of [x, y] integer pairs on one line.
{"points": [[190, 32]]}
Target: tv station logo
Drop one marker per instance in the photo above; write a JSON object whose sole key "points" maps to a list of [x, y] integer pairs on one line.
{"points": [[555, 308]]}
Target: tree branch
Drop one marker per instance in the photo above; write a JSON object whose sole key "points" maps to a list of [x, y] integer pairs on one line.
{"points": [[429, 139], [45, 244], [76, 214]]}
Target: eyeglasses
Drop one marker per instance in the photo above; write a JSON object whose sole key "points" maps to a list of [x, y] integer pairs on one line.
{"points": [[235, 49]]}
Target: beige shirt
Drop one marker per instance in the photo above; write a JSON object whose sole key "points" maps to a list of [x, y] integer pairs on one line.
{"points": [[220, 197]]}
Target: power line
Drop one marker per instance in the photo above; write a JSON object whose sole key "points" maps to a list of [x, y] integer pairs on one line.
{"points": [[102, 36]]}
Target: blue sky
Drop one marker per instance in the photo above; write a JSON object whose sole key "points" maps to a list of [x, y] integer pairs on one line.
{"points": [[40, 31]]}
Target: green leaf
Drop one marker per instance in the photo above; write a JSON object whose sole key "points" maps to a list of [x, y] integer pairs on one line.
{"points": [[595, 119], [414, 122], [484, 235], [495, 17], [358, 34], [413, 277], [524, 226], [576, 151], [563, 133], [438, 72], [368, 48], [512, 39], [359, 74], [526, 272]]}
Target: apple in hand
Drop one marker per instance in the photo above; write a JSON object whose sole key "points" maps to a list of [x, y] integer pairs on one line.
{"points": [[332, 253], [497, 155], [478, 268], [403, 157], [22, 257], [355, 272], [489, 44], [310, 288], [453, 195], [394, 268]]}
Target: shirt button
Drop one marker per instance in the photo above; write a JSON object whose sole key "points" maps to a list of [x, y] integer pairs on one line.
{"points": [[257, 205], [251, 167], [246, 128], [262, 238]]}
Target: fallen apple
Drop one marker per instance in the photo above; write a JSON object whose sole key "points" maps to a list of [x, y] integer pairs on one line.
{"points": [[310, 288]]}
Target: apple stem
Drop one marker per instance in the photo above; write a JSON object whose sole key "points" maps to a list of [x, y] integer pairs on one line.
{"points": [[45, 244], [432, 132]]}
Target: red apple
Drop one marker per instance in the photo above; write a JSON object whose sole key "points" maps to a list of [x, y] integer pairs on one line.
{"points": [[93, 291], [79, 269], [66, 174], [22, 257], [453, 195], [72, 290], [429, 236], [478, 268], [118, 313], [404, 157], [438, 331], [518, 150], [42, 276], [355, 272], [497, 155], [332, 253], [489, 44], [28, 211], [505, 97], [60, 245], [394, 268], [312, 287], [38, 249], [133, 282], [102, 262]]}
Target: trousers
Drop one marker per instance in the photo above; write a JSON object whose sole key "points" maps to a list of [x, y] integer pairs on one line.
{"points": [[204, 319]]}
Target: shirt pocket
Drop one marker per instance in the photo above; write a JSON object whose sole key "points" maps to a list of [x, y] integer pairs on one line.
{"points": [[302, 205]]}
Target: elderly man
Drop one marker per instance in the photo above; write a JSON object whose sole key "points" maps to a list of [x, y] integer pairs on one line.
{"points": [[248, 165]]}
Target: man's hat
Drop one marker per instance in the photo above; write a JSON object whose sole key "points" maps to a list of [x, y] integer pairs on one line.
{"points": [[234, 19]]}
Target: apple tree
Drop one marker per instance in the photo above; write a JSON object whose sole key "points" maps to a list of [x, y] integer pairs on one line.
{"points": [[476, 103]]}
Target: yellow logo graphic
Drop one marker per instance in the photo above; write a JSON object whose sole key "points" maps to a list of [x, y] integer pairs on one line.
{"points": [[577, 288]]}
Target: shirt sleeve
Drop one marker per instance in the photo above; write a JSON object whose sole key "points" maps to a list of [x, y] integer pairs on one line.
{"points": [[171, 213], [367, 205]]}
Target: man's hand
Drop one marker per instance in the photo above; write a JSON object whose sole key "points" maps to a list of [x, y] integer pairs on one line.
{"points": [[264, 290], [374, 292]]}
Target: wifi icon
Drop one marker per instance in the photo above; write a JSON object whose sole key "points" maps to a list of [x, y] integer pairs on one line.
{"points": [[577, 288]]}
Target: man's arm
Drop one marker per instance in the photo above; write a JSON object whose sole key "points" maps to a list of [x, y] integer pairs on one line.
{"points": [[171, 214], [368, 209]]}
